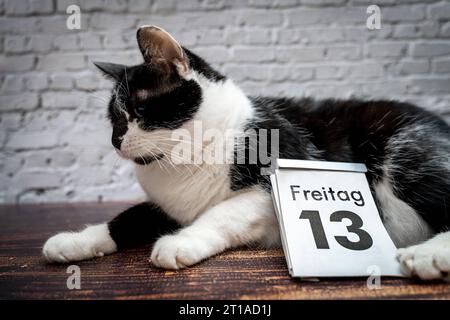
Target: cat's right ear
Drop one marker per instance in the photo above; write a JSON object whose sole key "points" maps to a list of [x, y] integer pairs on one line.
{"points": [[113, 71], [161, 51]]}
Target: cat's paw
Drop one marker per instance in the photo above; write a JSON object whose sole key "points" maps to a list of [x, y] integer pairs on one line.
{"points": [[428, 261], [178, 251], [93, 241]]}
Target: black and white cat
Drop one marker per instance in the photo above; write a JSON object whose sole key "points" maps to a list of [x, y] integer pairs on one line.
{"points": [[200, 210]]}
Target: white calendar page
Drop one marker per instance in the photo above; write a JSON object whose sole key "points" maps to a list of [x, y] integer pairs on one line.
{"points": [[330, 225]]}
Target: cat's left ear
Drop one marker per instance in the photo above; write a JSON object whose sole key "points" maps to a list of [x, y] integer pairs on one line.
{"points": [[111, 70], [161, 51]]}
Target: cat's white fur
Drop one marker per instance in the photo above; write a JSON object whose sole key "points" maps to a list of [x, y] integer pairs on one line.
{"points": [[402, 222], [93, 241], [216, 218], [428, 260]]}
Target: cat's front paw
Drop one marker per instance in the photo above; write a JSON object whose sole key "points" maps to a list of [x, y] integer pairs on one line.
{"points": [[427, 261], [178, 251], [94, 241], [65, 247]]}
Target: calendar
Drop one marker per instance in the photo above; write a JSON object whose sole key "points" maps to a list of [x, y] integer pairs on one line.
{"points": [[329, 223]]}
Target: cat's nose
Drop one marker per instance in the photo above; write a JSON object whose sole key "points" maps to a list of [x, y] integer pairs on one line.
{"points": [[119, 131], [116, 141]]}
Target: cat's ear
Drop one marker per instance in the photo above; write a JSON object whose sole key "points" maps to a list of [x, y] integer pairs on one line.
{"points": [[111, 70], [161, 51]]}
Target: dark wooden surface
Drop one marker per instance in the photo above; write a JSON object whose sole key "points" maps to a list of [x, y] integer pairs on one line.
{"points": [[239, 274]]}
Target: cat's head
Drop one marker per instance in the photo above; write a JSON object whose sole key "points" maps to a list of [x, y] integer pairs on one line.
{"points": [[152, 99]]}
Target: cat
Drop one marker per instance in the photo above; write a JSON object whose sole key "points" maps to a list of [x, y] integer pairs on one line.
{"points": [[197, 211]]}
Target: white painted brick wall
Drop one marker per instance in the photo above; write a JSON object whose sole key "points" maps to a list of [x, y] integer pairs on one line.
{"points": [[54, 137]]}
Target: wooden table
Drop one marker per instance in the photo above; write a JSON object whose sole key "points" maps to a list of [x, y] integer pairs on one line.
{"points": [[239, 274]]}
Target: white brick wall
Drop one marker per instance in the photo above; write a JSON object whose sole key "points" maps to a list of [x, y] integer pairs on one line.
{"points": [[54, 137]]}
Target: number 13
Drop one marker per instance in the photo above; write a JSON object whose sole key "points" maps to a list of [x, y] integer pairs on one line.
{"points": [[365, 240]]}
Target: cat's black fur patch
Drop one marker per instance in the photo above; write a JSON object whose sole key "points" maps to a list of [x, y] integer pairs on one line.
{"points": [[202, 67], [362, 131], [174, 103], [140, 224]]}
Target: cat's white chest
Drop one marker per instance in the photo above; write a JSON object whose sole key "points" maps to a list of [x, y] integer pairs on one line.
{"points": [[187, 191]]}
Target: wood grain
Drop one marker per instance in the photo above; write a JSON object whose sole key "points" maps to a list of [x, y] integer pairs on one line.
{"points": [[239, 274]]}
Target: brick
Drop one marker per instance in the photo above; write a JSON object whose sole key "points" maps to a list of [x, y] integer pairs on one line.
{"points": [[63, 159], [18, 25], [299, 54], [253, 54], [343, 52], [57, 24], [325, 16], [90, 41], [48, 119], [331, 90], [431, 49], [39, 180], [366, 70], [330, 72], [92, 176], [41, 43], [320, 3], [115, 41], [140, 6], [36, 81], [405, 31], [26, 101], [61, 80], [210, 37], [428, 86], [190, 5], [311, 35], [16, 63], [414, 67], [382, 50], [112, 22], [32, 140], [16, 44], [259, 37], [27, 7], [164, 6], [214, 54], [445, 31], [211, 19], [261, 18], [41, 6], [64, 100], [234, 36], [17, 7], [388, 87], [10, 164], [115, 5], [12, 83], [66, 42], [441, 65], [403, 13], [88, 81], [61, 61], [10, 120], [187, 37], [439, 10], [86, 5]]}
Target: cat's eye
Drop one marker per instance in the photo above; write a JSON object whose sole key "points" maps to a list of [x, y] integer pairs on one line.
{"points": [[139, 110]]}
